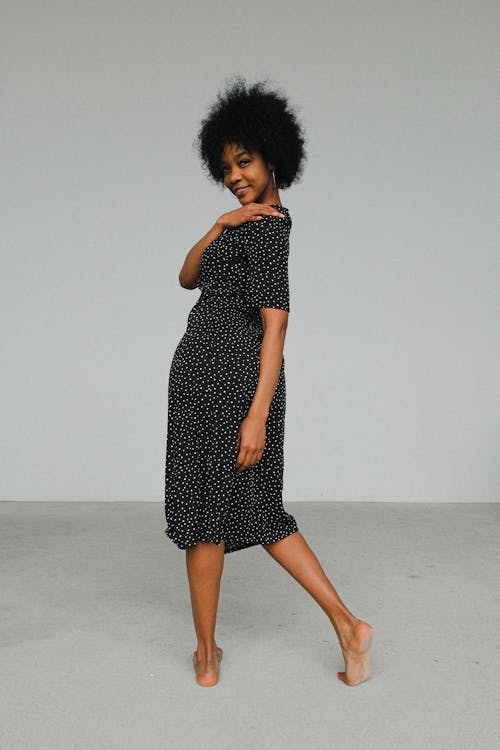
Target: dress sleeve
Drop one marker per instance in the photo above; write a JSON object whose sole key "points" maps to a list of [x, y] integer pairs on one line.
{"points": [[268, 249]]}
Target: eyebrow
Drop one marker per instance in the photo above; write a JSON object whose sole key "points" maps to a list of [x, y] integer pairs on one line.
{"points": [[240, 153]]}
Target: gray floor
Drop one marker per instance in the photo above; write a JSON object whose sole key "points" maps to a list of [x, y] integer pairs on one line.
{"points": [[97, 635]]}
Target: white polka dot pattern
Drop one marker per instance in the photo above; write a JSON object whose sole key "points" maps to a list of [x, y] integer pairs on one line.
{"points": [[268, 251], [212, 380]]}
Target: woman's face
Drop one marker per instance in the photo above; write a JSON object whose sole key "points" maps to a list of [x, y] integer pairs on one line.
{"points": [[247, 169]]}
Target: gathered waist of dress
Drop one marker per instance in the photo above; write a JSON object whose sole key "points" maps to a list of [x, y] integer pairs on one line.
{"points": [[223, 309], [215, 300]]}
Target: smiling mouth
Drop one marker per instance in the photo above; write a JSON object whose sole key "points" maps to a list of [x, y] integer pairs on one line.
{"points": [[239, 190]]}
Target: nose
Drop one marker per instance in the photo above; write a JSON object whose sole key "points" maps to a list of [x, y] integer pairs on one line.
{"points": [[234, 177]]}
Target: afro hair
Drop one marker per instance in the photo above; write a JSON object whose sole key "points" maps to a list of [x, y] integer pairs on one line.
{"points": [[260, 120]]}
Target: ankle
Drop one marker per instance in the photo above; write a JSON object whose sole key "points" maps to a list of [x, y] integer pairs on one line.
{"points": [[343, 621], [206, 649]]}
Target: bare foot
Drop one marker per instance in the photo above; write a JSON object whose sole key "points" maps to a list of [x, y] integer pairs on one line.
{"points": [[357, 652], [207, 670]]}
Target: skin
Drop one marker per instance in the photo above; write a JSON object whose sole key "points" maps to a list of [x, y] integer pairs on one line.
{"points": [[205, 561]]}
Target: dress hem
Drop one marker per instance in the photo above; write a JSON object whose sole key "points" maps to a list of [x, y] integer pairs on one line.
{"points": [[238, 546]]}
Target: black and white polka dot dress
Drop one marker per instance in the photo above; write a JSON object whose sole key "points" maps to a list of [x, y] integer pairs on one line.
{"points": [[212, 381]]}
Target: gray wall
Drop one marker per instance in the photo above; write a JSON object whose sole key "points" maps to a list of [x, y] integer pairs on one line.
{"points": [[392, 353]]}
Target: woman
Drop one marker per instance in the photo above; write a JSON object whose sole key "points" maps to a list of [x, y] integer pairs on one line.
{"points": [[226, 393]]}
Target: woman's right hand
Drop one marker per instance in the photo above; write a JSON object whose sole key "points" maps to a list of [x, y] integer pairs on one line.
{"points": [[249, 212]]}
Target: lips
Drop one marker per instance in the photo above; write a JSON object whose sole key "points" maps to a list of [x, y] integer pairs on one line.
{"points": [[240, 190]]}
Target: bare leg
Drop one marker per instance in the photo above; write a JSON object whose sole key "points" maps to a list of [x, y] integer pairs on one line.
{"points": [[205, 563], [355, 636]]}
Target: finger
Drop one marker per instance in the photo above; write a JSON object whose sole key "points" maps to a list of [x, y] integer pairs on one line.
{"points": [[273, 212], [244, 460], [241, 459], [256, 457], [265, 208], [252, 459]]}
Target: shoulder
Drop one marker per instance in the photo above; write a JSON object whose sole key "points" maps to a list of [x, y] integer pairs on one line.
{"points": [[267, 229]]}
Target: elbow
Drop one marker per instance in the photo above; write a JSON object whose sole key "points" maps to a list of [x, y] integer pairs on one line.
{"points": [[276, 333], [187, 283]]}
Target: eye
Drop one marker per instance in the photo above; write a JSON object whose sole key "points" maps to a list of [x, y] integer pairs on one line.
{"points": [[242, 163]]}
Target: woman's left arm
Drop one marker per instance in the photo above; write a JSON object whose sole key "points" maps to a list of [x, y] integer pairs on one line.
{"points": [[252, 433], [268, 289], [271, 355]]}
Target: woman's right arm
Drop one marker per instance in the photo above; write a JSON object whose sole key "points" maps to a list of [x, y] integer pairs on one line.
{"points": [[188, 275]]}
